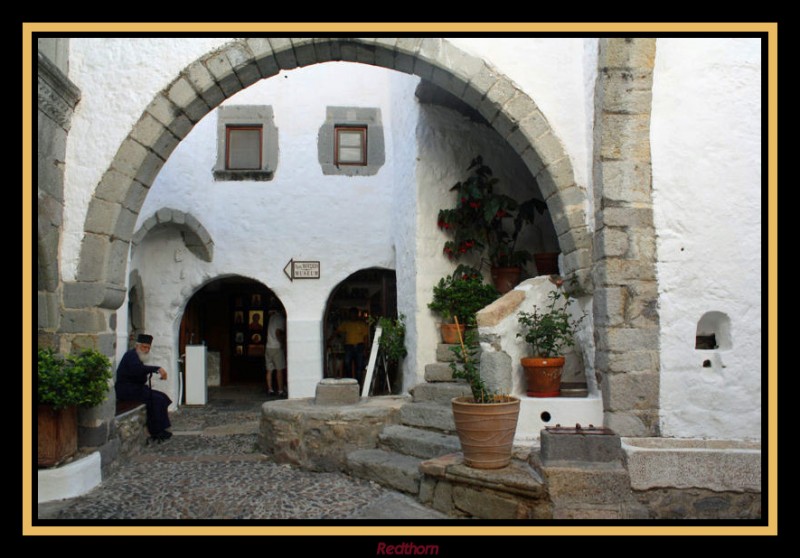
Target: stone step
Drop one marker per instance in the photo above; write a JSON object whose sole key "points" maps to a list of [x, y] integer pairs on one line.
{"points": [[433, 416], [416, 442], [444, 352], [440, 392], [438, 372], [387, 468]]}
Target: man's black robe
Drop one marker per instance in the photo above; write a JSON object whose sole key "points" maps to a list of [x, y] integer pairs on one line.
{"points": [[131, 385]]}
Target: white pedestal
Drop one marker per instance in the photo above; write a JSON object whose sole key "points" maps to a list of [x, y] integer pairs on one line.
{"points": [[196, 388]]}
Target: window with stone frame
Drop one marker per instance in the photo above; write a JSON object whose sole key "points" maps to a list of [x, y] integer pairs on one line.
{"points": [[247, 143], [351, 141]]}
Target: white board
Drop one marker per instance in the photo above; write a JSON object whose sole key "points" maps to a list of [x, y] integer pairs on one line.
{"points": [[373, 357]]}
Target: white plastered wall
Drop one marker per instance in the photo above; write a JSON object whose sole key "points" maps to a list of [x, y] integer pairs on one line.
{"points": [[706, 149], [345, 223]]}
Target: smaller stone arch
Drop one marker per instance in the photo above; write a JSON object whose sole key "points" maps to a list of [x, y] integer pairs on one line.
{"points": [[195, 236]]}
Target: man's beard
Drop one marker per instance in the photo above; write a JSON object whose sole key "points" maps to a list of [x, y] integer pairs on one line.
{"points": [[143, 356]]}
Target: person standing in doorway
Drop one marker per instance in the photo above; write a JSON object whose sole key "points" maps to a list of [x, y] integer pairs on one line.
{"points": [[356, 339], [275, 354], [132, 375]]}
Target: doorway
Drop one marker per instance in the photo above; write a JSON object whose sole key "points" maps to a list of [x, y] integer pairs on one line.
{"points": [[229, 316], [373, 294]]}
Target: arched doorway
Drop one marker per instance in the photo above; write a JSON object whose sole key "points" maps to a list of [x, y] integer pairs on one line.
{"points": [[372, 293], [229, 316]]}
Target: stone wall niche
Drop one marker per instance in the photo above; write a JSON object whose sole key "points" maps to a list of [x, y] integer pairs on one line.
{"points": [[713, 332]]}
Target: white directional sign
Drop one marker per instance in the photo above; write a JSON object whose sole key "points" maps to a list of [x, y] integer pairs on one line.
{"points": [[302, 270]]}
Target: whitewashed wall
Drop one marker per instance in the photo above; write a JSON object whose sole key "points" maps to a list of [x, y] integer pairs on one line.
{"points": [[706, 147], [346, 223]]}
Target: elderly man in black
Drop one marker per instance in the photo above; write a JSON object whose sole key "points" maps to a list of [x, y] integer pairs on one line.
{"points": [[132, 376]]}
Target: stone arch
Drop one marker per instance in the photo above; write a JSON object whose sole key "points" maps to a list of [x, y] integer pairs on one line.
{"points": [[205, 83], [195, 236]]}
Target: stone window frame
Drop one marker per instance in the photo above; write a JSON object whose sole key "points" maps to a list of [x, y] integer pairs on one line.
{"points": [[352, 117], [243, 116]]}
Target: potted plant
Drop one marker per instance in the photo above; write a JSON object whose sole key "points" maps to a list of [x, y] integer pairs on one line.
{"points": [[486, 421], [479, 224], [392, 344], [460, 295], [63, 385], [547, 332]]}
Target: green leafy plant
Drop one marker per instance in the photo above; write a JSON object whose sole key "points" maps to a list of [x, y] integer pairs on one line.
{"points": [[393, 338], [550, 330], [461, 295], [80, 379], [479, 221]]}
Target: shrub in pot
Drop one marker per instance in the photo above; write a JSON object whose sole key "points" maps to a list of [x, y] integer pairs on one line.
{"points": [[487, 421], [392, 344], [547, 331], [64, 384], [460, 296]]}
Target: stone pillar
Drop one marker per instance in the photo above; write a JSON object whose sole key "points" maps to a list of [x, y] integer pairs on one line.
{"points": [[626, 323]]}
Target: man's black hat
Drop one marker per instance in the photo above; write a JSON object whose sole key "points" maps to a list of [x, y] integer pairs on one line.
{"points": [[144, 338]]}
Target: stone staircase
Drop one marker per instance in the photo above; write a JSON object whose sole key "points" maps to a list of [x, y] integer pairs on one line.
{"points": [[426, 431]]}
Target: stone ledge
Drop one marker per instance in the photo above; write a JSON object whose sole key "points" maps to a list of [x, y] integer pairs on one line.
{"points": [[719, 465], [517, 478], [75, 479]]}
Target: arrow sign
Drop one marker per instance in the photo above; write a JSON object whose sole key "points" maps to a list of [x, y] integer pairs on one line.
{"points": [[302, 270]]}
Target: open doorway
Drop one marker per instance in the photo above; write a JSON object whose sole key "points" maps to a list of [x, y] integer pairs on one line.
{"points": [[365, 296], [229, 315]]}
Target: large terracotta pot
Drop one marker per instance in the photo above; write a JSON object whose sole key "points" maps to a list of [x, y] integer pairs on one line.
{"points": [[506, 278], [486, 431], [450, 333], [543, 376], [546, 263], [57, 434]]}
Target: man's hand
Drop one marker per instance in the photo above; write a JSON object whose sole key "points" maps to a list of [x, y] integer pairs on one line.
{"points": [[162, 373]]}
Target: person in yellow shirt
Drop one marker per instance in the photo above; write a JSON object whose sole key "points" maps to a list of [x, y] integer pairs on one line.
{"points": [[356, 339]]}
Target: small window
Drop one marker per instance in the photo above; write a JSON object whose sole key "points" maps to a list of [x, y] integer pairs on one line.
{"points": [[243, 147], [350, 146]]}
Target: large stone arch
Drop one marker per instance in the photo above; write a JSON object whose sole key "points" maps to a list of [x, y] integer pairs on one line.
{"points": [[195, 236], [205, 83]]}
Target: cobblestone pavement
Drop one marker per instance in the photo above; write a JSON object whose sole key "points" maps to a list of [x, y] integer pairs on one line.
{"points": [[212, 468]]}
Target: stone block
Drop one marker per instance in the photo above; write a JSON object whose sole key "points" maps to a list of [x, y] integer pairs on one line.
{"points": [[579, 259], [203, 82], [627, 92], [625, 136], [603, 484], [438, 372], [638, 217], [428, 415], [611, 243], [440, 392], [94, 250], [282, 49], [304, 51], [533, 161], [183, 95], [82, 294], [149, 169], [102, 216], [337, 391], [496, 371], [485, 504], [408, 45], [130, 157], [417, 443], [134, 197], [443, 497], [617, 271], [444, 353], [624, 339], [502, 124], [126, 221], [575, 239], [397, 471], [47, 310], [629, 361], [629, 423], [579, 446], [163, 110], [627, 181], [82, 320], [627, 52]]}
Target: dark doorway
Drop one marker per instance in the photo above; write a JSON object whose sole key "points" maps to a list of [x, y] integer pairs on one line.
{"points": [[229, 316], [373, 292]]}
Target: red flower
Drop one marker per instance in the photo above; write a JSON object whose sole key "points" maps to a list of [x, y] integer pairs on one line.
{"points": [[500, 213], [474, 205]]}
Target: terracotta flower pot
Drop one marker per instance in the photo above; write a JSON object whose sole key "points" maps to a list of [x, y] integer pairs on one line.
{"points": [[450, 333], [57, 434], [506, 278], [543, 376], [486, 431]]}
